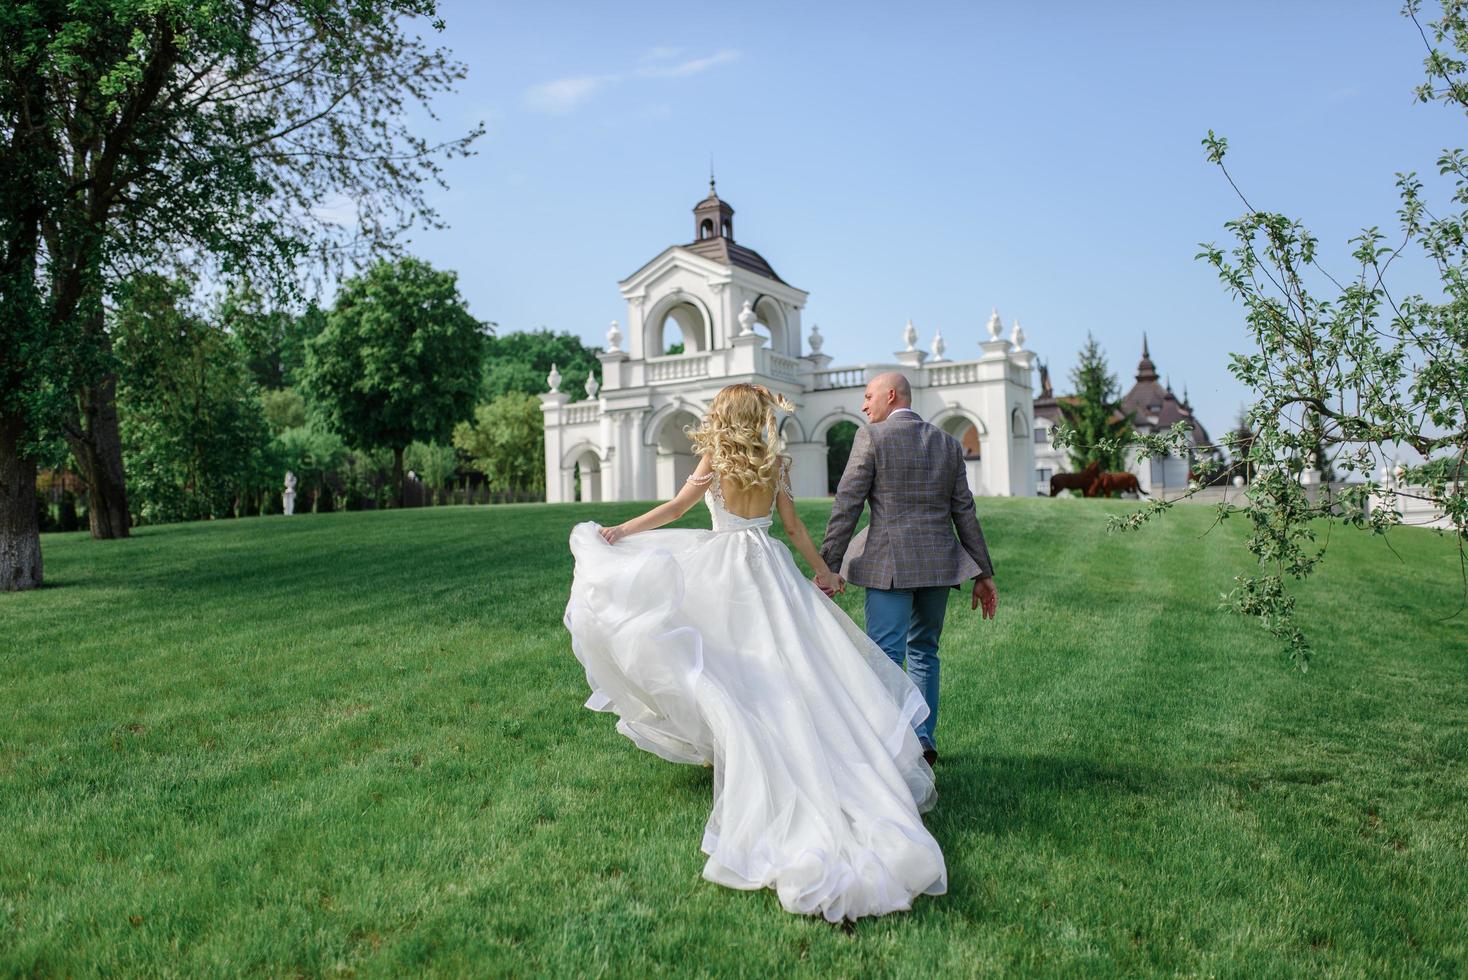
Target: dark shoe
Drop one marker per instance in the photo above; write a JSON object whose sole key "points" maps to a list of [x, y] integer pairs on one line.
{"points": [[930, 754]]}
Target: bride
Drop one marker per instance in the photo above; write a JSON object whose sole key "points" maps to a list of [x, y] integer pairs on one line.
{"points": [[713, 649]]}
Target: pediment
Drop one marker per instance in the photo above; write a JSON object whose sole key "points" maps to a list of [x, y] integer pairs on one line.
{"points": [[675, 257]]}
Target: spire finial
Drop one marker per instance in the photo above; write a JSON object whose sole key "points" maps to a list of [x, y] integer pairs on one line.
{"points": [[1146, 370], [712, 192]]}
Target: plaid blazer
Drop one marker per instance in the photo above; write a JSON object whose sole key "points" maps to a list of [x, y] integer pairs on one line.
{"points": [[912, 474]]}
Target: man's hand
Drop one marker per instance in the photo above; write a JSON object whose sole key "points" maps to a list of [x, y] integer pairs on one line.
{"points": [[985, 595], [829, 583]]}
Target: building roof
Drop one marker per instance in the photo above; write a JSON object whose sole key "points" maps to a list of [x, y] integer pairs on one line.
{"points": [[1049, 408], [724, 250], [719, 245], [1153, 406]]}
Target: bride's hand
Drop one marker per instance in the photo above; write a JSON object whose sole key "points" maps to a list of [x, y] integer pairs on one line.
{"points": [[613, 534], [828, 582]]}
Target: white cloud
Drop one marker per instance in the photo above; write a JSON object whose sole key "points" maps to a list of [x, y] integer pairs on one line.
{"points": [[564, 95], [691, 67], [337, 210]]}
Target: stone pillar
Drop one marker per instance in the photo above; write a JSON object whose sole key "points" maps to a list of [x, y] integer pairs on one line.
{"points": [[807, 468], [1022, 455], [551, 404], [642, 468], [974, 471], [912, 365], [613, 370], [591, 484], [910, 357], [667, 475]]}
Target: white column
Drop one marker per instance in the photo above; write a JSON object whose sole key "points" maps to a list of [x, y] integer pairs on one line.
{"points": [[667, 475], [975, 473], [644, 461], [745, 356], [807, 468], [613, 371], [550, 406]]}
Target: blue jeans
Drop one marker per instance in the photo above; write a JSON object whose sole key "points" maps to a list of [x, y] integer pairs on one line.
{"points": [[906, 624]]}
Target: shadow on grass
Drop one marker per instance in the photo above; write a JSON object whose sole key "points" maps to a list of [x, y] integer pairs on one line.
{"points": [[996, 794]]}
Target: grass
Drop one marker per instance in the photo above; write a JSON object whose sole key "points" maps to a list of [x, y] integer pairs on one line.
{"points": [[354, 743]]}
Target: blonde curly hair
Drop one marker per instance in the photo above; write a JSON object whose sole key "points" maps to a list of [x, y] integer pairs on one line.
{"points": [[741, 436]]}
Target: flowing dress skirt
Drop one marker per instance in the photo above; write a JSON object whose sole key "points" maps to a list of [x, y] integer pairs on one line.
{"points": [[713, 649]]}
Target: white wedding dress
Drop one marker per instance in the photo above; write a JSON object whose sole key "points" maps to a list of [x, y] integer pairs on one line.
{"points": [[713, 649]]}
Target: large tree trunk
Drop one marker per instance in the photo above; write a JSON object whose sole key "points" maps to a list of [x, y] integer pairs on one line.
{"points": [[20, 536], [98, 452]]}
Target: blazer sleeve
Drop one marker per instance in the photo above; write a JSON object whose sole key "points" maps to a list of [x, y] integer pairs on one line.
{"points": [[851, 497], [966, 522]]}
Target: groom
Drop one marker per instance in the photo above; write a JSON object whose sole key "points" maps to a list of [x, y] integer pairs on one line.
{"points": [[912, 474]]}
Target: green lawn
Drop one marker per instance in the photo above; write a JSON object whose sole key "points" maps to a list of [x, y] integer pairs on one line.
{"points": [[354, 743]]}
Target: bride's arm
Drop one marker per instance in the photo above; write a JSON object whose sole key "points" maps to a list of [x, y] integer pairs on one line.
{"points": [[795, 530], [665, 513]]}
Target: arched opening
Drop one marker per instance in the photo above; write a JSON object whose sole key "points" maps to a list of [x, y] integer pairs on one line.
{"points": [[967, 435], [838, 450], [791, 430], [706, 229], [726, 230], [1017, 424], [676, 460], [689, 331], [587, 477], [769, 323]]}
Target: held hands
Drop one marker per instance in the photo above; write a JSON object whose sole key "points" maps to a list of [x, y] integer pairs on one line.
{"points": [[614, 534], [829, 582], [986, 595]]}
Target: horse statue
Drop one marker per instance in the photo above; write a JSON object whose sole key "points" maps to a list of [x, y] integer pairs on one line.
{"points": [[1075, 481], [1106, 484]]}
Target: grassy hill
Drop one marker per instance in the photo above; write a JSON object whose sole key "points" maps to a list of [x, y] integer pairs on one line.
{"points": [[354, 743]]}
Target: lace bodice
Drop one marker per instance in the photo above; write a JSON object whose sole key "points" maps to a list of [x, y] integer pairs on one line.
{"points": [[722, 519]]}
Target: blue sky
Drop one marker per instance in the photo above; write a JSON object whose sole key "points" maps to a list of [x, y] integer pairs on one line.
{"points": [[927, 161]]}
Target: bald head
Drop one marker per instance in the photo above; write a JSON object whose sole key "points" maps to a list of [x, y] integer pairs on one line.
{"points": [[886, 393]]}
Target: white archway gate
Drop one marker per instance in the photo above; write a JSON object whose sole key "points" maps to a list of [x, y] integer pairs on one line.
{"points": [[637, 416]]}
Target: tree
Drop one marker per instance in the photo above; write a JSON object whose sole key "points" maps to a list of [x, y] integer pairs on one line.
{"points": [[434, 463], [1343, 365], [179, 136], [1101, 432], [1241, 438], [506, 442], [194, 437], [839, 438], [520, 361], [273, 338], [313, 455], [284, 409], [398, 360]]}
